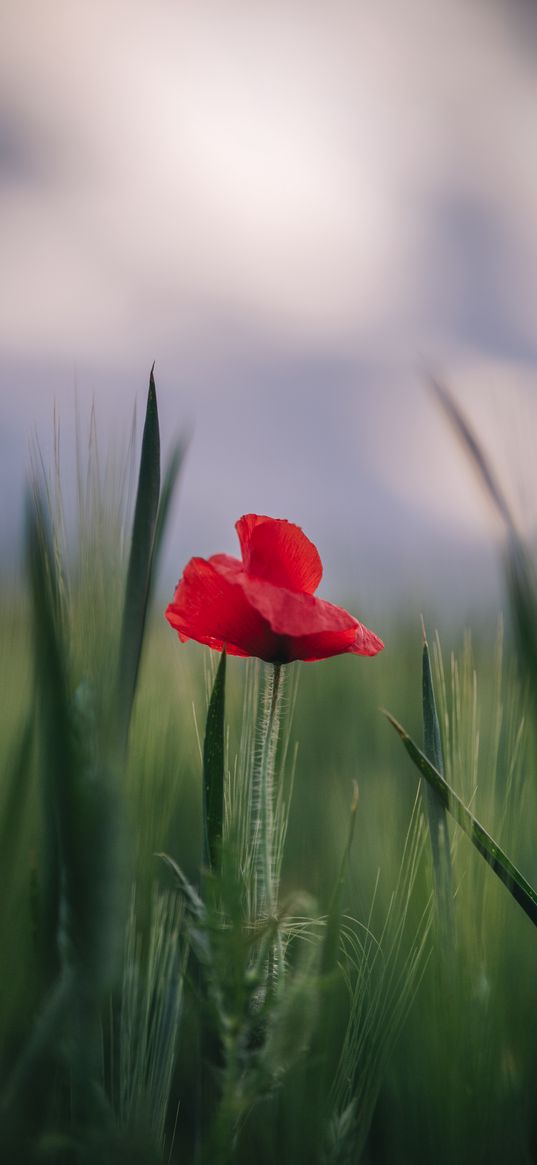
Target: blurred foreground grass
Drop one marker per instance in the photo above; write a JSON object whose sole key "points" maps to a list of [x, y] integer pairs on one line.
{"points": [[460, 1081]]}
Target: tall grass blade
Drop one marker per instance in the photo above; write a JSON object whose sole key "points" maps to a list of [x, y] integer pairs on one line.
{"points": [[78, 795], [435, 810], [323, 1050], [17, 782], [55, 729], [213, 770], [59, 923], [520, 573], [330, 948], [518, 886], [169, 483], [475, 451], [522, 589], [151, 1006], [81, 879], [140, 563], [195, 910], [25, 1098], [383, 977]]}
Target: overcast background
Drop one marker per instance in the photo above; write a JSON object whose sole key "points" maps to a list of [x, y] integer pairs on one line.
{"points": [[294, 207]]}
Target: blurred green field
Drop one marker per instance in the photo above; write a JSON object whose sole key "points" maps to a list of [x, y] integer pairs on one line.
{"points": [[446, 1063], [461, 1081]]}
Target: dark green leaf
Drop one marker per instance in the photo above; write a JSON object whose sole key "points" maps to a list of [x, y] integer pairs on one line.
{"points": [[522, 591], [17, 782], [435, 810], [169, 483], [518, 886], [80, 875], [25, 1097], [213, 769], [140, 564], [57, 760]]}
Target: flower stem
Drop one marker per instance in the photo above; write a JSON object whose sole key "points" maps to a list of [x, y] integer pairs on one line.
{"points": [[266, 787]]}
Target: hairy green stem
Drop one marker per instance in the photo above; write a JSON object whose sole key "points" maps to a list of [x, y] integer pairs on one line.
{"points": [[266, 788]]}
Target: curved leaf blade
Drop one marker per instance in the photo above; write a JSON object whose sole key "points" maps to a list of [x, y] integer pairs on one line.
{"points": [[435, 810], [503, 867]]}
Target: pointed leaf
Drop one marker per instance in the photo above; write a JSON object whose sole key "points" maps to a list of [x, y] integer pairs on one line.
{"points": [[213, 769], [169, 483], [436, 812], [518, 886], [140, 563]]}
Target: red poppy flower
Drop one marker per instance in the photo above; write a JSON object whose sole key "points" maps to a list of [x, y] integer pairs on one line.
{"points": [[264, 604]]}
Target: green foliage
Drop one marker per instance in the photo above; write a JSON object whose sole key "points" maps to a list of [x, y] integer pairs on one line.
{"points": [[518, 886], [519, 568], [149, 1018], [58, 1071], [232, 1017], [140, 562], [468, 1049], [213, 770]]}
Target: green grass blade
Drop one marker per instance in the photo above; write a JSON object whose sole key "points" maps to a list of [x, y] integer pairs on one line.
{"points": [[522, 590], [330, 950], [194, 904], [519, 569], [24, 1100], [435, 810], [81, 879], [169, 483], [56, 735], [140, 562], [32, 1077], [324, 1053], [475, 451], [17, 781], [213, 770], [195, 910], [503, 867]]}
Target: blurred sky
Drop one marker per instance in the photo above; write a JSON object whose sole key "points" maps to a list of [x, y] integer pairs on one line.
{"points": [[295, 208]]}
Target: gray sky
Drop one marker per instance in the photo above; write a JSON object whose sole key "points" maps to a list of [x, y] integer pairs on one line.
{"points": [[293, 207]]}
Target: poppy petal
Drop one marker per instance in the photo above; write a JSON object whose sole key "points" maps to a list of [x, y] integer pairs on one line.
{"points": [[311, 648], [264, 605], [366, 642], [306, 627], [296, 614], [324, 644], [226, 562], [278, 551], [212, 608]]}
